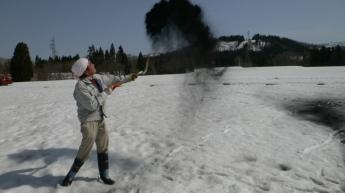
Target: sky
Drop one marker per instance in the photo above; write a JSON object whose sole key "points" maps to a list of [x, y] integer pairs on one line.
{"points": [[76, 25]]}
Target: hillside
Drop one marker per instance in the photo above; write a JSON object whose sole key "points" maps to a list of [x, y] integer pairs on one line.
{"points": [[260, 50]]}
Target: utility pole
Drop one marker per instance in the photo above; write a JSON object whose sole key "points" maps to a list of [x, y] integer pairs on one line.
{"points": [[53, 48]]}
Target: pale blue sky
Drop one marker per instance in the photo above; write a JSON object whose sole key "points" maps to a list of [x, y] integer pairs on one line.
{"points": [[77, 24]]}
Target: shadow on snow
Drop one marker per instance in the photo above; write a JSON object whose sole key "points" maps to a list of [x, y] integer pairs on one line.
{"points": [[325, 112], [49, 156]]}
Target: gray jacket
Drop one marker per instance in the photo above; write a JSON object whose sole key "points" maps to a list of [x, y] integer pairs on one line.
{"points": [[90, 101]]}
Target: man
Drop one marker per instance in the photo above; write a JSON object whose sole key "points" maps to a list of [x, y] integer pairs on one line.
{"points": [[90, 93]]}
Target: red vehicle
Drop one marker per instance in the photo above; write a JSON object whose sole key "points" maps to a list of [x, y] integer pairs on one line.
{"points": [[5, 79]]}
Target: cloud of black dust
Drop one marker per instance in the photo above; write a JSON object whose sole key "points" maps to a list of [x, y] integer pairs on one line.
{"points": [[179, 25]]}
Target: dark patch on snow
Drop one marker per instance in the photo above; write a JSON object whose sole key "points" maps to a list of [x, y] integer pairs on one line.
{"points": [[321, 83], [270, 84], [168, 178], [250, 158], [221, 174], [284, 167], [327, 112], [226, 83]]}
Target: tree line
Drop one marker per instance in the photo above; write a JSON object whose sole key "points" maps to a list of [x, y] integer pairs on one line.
{"points": [[280, 52], [333, 56], [22, 68]]}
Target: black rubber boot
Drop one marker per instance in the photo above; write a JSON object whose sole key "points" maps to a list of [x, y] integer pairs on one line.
{"points": [[72, 172], [103, 166]]}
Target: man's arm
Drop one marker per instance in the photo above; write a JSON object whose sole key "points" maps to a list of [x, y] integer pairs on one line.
{"points": [[115, 80], [87, 100]]}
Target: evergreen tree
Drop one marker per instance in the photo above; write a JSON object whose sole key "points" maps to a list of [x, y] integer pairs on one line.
{"points": [[76, 57], [91, 52], [21, 66], [338, 56], [140, 62], [122, 60], [314, 57], [126, 64], [100, 57], [119, 54], [112, 56], [107, 56], [112, 53], [107, 61], [38, 62], [324, 55]]}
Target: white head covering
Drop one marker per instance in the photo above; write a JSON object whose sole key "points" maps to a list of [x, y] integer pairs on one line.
{"points": [[79, 67]]}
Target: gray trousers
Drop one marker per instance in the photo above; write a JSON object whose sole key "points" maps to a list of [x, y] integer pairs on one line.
{"points": [[93, 131]]}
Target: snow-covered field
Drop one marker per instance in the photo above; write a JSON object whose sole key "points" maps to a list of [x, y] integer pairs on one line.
{"points": [[274, 129]]}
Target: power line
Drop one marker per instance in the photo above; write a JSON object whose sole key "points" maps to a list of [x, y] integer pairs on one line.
{"points": [[53, 48]]}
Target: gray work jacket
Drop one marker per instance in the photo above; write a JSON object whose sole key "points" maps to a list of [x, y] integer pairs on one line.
{"points": [[90, 101]]}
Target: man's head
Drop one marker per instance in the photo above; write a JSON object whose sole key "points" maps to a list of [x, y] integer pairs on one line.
{"points": [[83, 67]]}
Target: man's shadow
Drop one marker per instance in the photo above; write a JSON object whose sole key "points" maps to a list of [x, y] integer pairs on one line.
{"points": [[49, 156], [22, 177]]}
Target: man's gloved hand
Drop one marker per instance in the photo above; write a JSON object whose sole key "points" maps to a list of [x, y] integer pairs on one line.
{"points": [[108, 90], [133, 76], [113, 86]]}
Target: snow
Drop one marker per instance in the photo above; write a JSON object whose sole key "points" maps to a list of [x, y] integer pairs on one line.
{"points": [[247, 131], [226, 46], [333, 44], [235, 45]]}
